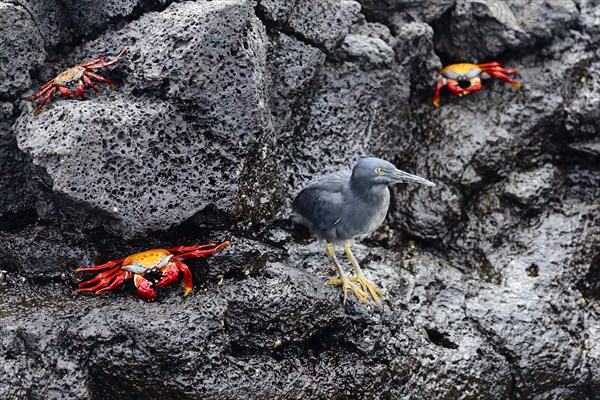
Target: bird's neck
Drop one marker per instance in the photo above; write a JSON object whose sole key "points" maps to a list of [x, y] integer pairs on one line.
{"points": [[371, 193], [367, 209]]}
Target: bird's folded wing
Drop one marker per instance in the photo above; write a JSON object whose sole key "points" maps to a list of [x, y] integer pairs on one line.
{"points": [[321, 207]]}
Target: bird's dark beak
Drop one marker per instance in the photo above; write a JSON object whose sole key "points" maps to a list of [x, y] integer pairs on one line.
{"points": [[401, 176]]}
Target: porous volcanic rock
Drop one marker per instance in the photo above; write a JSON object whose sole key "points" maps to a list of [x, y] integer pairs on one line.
{"points": [[224, 110], [22, 48]]}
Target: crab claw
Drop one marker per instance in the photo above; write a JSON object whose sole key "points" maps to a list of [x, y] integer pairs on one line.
{"points": [[187, 277], [169, 275], [463, 88], [144, 288]]}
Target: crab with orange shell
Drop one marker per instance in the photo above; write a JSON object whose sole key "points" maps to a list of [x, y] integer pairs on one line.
{"points": [[79, 75], [464, 78], [168, 262]]}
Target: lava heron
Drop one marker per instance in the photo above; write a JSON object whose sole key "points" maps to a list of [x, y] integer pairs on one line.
{"points": [[347, 204]]}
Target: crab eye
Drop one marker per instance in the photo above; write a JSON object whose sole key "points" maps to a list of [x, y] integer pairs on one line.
{"points": [[379, 170]]}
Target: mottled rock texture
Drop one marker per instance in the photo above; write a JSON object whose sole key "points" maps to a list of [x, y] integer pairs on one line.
{"points": [[223, 111]]}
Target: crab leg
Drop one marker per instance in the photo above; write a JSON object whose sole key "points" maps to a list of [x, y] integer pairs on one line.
{"points": [[96, 61], [499, 69], [495, 70], [101, 280], [436, 96], [500, 74], [183, 249], [98, 64], [187, 277], [102, 79], [201, 253], [496, 66], [45, 87], [48, 83], [490, 64], [107, 265], [47, 97], [90, 84], [118, 280]]}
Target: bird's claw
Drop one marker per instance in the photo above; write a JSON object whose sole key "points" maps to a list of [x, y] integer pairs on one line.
{"points": [[347, 284], [366, 285]]}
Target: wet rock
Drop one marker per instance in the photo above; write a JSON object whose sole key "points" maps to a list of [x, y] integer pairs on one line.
{"points": [[378, 30], [589, 17], [270, 292], [424, 212], [16, 201], [65, 22], [590, 148], [592, 335], [223, 339], [274, 10], [583, 113], [521, 347], [531, 187], [44, 252], [490, 278], [352, 84]]}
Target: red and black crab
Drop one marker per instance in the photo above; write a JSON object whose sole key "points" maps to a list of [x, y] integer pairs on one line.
{"points": [[79, 75]]}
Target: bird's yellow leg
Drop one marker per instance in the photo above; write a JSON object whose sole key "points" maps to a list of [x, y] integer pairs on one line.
{"points": [[343, 279], [360, 277]]}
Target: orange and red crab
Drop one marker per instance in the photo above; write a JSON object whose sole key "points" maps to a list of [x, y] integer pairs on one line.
{"points": [[164, 261], [79, 74], [465, 78]]}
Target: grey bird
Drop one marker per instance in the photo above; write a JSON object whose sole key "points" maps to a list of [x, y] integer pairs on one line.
{"points": [[350, 204]]}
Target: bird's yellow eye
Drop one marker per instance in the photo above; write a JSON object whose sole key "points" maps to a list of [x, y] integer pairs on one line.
{"points": [[379, 170]]}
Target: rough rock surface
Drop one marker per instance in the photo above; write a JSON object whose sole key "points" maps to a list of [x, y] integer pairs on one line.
{"points": [[128, 144], [477, 30], [21, 49], [106, 163], [223, 111], [322, 23], [15, 199]]}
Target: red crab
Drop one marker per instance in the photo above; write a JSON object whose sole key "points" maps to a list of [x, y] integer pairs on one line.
{"points": [[77, 74], [465, 78], [137, 265]]}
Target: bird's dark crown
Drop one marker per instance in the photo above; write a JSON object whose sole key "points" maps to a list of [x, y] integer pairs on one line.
{"points": [[372, 171]]}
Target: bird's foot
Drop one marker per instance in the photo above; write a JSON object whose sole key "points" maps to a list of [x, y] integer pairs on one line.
{"points": [[347, 284], [368, 286]]}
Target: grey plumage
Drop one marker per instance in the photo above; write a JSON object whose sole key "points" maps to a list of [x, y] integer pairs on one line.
{"points": [[348, 204]]}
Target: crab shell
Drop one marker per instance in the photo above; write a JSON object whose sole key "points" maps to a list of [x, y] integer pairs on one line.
{"points": [[464, 78], [80, 74], [168, 262]]}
